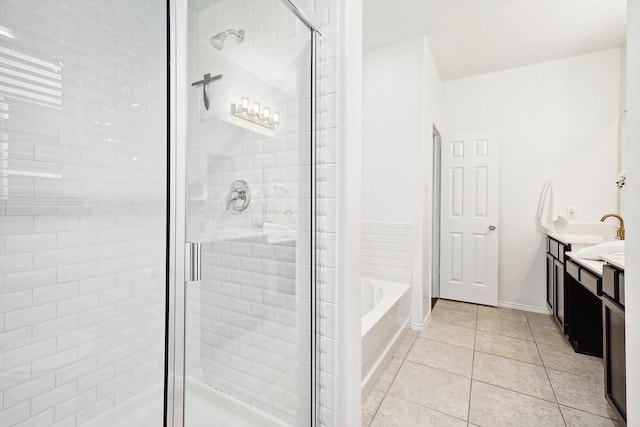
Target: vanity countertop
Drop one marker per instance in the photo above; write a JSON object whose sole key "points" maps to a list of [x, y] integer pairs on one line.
{"points": [[617, 260], [590, 264], [579, 239]]}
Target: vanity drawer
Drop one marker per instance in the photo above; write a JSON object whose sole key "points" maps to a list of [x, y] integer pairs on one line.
{"points": [[621, 288], [590, 282], [609, 282], [573, 270]]}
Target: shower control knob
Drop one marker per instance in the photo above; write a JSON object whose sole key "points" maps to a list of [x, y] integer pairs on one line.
{"points": [[492, 227]]}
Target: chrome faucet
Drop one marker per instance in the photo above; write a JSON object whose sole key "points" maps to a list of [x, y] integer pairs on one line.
{"points": [[619, 230], [233, 196], [240, 190]]}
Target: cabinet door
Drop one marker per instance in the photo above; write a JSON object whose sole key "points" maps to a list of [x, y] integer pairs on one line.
{"points": [[614, 356], [559, 309], [550, 282]]}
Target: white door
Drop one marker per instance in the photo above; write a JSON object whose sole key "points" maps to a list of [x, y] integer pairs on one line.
{"points": [[469, 218]]}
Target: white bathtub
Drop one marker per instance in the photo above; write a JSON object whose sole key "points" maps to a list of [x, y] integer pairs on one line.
{"points": [[385, 317]]}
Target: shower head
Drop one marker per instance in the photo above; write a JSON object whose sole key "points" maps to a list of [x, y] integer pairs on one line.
{"points": [[217, 41]]}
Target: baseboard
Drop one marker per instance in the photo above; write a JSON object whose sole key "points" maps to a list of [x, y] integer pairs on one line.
{"points": [[531, 308], [421, 326]]}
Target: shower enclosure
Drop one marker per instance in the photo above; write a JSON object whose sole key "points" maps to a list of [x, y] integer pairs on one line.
{"points": [[157, 213]]}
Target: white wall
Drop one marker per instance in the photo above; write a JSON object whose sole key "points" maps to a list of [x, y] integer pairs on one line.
{"points": [[400, 84], [632, 206], [557, 119]]}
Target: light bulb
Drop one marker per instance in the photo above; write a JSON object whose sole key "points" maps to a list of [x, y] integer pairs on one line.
{"points": [[256, 109], [276, 118], [266, 113], [244, 104]]}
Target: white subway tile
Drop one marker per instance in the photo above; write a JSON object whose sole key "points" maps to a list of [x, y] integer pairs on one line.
{"points": [[28, 390], [54, 327], [29, 316], [43, 224], [15, 262], [51, 398], [12, 416], [54, 258]]}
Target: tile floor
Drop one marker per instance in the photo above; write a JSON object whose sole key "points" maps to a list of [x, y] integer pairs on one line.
{"points": [[488, 367]]}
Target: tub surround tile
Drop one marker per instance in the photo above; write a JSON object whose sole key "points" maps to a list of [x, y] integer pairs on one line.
{"points": [[454, 317], [580, 392], [512, 348], [433, 388], [576, 418], [505, 327], [450, 358], [405, 346], [496, 406], [399, 412], [513, 375], [387, 376], [563, 358], [370, 406], [450, 334]]}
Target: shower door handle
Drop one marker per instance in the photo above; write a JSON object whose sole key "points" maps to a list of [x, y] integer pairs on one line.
{"points": [[193, 262]]}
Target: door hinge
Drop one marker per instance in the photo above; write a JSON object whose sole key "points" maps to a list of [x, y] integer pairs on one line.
{"points": [[193, 262]]}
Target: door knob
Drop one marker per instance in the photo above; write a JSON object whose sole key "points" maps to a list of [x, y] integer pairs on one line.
{"points": [[492, 227]]}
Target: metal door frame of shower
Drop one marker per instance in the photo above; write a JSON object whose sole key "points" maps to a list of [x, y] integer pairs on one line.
{"points": [[177, 17]]}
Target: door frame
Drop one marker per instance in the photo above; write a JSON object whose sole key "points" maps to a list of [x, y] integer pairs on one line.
{"points": [[435, 217]]}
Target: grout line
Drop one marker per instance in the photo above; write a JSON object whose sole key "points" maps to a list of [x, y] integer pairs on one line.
{"points": [[473, 361], [546, 372], [429, 408], [511, 358]]}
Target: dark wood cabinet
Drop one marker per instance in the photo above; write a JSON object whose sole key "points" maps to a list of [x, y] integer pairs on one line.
{"points": [[584, 309], [556, 292], [614, 347]]}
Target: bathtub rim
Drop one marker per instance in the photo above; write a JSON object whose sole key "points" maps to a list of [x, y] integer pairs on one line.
{"points": [[392, 293]]}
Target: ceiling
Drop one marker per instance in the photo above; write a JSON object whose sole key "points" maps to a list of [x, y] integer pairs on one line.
{"points": [[469, 37]]}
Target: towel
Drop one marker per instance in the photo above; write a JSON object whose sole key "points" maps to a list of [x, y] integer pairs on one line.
{"points": [[548, 211]]}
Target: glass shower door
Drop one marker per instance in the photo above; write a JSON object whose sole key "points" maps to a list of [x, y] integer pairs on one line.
{"points": [[248, 320]]}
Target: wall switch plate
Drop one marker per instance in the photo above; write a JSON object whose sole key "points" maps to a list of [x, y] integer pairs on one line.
{"points": [[572, 213]]}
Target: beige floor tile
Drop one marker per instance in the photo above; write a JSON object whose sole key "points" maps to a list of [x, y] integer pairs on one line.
{"points": [[433, 388], [405, 346], [547, 334], [513, 375], [575, 418], [506, 327], [370, 406], [539, 318], [513, 348], [485, 312], [495, 406], [465, 319], [450, 334], [387, 376], [580, 392], [399, 412], [563, 358], [457, 305], [450, 358]]}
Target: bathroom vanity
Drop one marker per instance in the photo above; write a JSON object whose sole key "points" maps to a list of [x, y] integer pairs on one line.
{"points": [[586, 298], [614, 339]]}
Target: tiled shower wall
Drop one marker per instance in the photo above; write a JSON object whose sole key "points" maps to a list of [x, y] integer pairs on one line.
{"points": [[82, 207]]}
